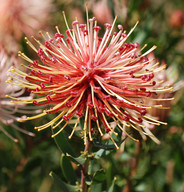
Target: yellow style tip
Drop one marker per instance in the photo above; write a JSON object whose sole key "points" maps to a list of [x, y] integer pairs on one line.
{"points": [[21, 120]]}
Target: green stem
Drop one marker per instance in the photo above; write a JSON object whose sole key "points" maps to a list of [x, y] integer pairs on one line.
{"points": [[84, 170]]}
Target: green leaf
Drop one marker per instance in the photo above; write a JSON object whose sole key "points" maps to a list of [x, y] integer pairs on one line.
{"points": [[78, 160], [111, 189], [96, 188], [99, 176], [68, 170], [101, 153], [63, 144], [61, 185], [109, 173], [107, 146]]}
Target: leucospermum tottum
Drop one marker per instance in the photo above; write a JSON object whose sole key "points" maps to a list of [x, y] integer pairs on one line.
{"points": [[101, 79], [168, 76], [7, 108]]}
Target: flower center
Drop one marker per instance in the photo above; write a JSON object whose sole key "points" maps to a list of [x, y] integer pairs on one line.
{"points": [[90, 73]]}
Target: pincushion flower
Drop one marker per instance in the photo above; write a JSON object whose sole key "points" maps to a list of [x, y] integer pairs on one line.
{"points": [[167, 76], [20, 16], [100, 79], [8, 109]]}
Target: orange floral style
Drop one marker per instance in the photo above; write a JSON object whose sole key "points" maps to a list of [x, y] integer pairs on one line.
{"points": [[101, 79]]}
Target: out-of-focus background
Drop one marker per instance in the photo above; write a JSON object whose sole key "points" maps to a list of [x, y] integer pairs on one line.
{"points": [[145, 167]]}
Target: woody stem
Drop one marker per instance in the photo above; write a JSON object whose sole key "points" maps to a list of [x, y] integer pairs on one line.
{"points": [[84, 169]]}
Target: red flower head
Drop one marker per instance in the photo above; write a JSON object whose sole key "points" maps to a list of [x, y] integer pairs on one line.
{"points": [[102, 80]]}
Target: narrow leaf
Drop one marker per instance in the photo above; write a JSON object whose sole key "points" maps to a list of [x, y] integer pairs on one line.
{"points": [[63, 144], [99, 176], [78, 160], [96, 188], [101, 153], [107, 146], [111, 189], [67, 169], [62, 186]]}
